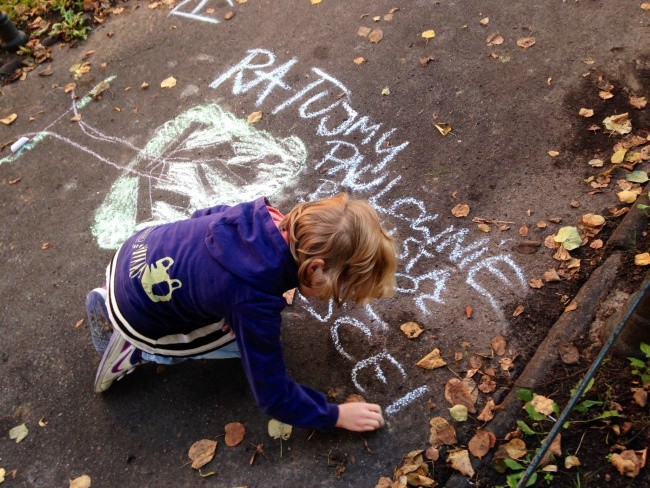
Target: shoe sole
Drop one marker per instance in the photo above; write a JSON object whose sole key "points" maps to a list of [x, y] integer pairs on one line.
{"points": [[107, 365]]}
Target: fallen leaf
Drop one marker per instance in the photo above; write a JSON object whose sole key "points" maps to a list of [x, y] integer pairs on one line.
{"points": [[536, 283], [9, 119], [506, 364], [562, 254], [498, 344], [385, 91], [426, 60], [69, 87], [460, 210], [375, 36], [526, 42], [645, 6], [618, 124], [432, 360], [168, 82], [554, 154], [487, 384], [638, 102], [516, 448], [518, 311], [78, 70], [432, 453], [202, 452], [359, 60], [642, 259], [637, 177], [459, 460], [597, 244], [484, 228], [551, 276], [82, 481], [569, 238], [315, 2], [412, 330], [596, 163], [487, 413], [619, 156], [278, 430], [443, 128], [363, 31], [571, 462], [230, 14], [289, 295], [640, 396], [494, 39], [541, 225], [442, 433], [469, 312], [235, 432], [605, 95], [569, 353], [481, 443], [459, 413], [586, 112], [461, 392], [144, 85], [484, 21], [542, 404], [627, 463], [254, 117], [429, 34], [523, 230], [388, 17], [628, 196], [18, 433]]}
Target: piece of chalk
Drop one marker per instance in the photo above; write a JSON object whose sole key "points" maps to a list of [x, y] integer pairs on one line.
{"points": [[19, 143]]}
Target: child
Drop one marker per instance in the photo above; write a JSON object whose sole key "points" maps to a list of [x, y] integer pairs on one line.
{"points": [[212, 287]]}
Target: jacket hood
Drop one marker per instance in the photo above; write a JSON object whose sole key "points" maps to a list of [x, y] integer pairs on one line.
{"points": [[246, 242]]}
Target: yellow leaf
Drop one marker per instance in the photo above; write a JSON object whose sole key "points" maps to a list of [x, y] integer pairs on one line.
{"points": [[432, 360], [168, 82], [645, 6], [458, 413], [359, 60], [526, 42], [254, 117], [627, 196], [460, 210], [516, 448], [605, 95], [619, 156], [443, 128], [459, 460], [642, 259], [586, 112], [554, 154], [82, 481], [571, 462], [429, 34], [18, 433], [144, 85], [315, 2], [385, 91], [76, 118], [618, 124], [9, 119], [278, 430], [484, 21]]}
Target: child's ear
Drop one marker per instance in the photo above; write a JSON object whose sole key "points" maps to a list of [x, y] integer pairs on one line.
{"points": [[314, 265]]}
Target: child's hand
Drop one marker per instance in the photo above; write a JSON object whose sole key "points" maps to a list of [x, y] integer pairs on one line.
{"points": [[360, 417]]}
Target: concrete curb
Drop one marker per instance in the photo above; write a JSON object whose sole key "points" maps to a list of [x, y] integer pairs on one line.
{"points": [[569, 327]]}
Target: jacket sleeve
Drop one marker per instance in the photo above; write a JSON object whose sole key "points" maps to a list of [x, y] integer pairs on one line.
{"points": [[257, 329], [208, 211]]}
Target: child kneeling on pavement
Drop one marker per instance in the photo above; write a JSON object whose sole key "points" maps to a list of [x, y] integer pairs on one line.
{"points": [[211, 287]]}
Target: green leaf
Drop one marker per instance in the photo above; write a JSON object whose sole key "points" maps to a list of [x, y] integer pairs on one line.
{"points": [[619, 156], [590, 385], [569, 237], [525, 394], [637, 176], [607, 414], [532, 480], [513, 480], [642, 206], [524, 428], [534, 414], [637, 363], [587, 404], [514, 465], [645, 349]]}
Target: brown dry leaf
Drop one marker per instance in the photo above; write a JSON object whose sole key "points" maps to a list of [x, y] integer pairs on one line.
{"points": [[254, 117], [518, 311], [597, 244], [627, 463], [144, 85], [526, 42], [82, 481], [487, 384], [9, 119], [605, 95], [359, 60], [569, 353], [523, 230], [168, 82], [481, 443], [499, 344], [411, 330], [571, 462], [432, 360], [640, 396], [551, 276], [76, 118], [562, 254], [487, 413], [235, 432], [202, 452], [645, 6], [553, 154], [628, 196], [469, 312], [69, 87], [229, 15], [384, 482], [638, 102], [506, 364], [555, 448], [617, 212], [363, 31], [462, 392], [541, 224], [460, 210], [459, 460], [375, 36], [536, 283], [79, 323], [432, 453], [494, 39], [426, 60], [289, 295], [571, 306], [550, 242], [618, 124], [442, 433], [484, 21], [542, 404], [516, 448], [586, 112], [484, 228]]}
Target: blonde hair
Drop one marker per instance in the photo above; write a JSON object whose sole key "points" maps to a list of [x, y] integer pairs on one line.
{"points": [[359, 255]]}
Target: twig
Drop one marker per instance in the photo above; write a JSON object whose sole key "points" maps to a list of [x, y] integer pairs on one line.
{"points": [[580, 443]]}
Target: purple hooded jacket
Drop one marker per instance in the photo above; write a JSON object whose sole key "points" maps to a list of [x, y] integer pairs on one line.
{"points": [[169, 283]]}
